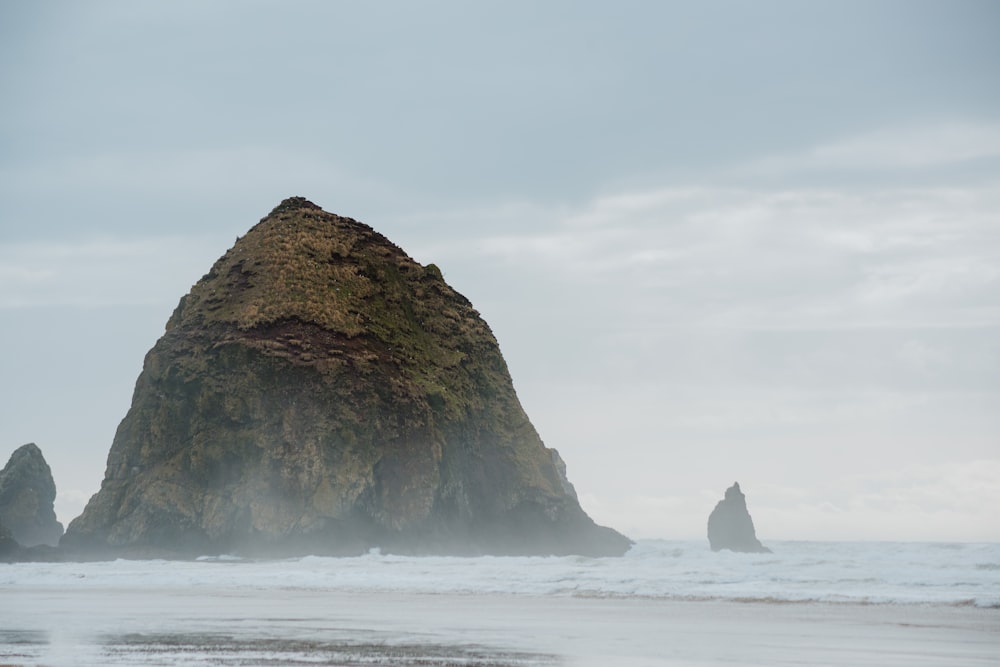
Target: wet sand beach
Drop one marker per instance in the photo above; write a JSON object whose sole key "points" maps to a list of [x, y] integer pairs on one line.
{"points": [[164, 626]]}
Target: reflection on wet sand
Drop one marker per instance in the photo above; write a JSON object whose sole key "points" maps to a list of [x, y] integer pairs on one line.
{"points": [[30, 647]]}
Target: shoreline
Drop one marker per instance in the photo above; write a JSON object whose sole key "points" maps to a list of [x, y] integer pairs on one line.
{"points": [[109, 626]]}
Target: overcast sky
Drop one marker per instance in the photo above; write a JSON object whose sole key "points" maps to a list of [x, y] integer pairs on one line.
{"points": [[717, 241]]}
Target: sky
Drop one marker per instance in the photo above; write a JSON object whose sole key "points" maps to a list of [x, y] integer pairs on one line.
{"points": [[716, 241]]}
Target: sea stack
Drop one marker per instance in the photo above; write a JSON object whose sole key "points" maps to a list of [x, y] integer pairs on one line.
{"points": [[730, 526], [319, 391], [27, 494]]}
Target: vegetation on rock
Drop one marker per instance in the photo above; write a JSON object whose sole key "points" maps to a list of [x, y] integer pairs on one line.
{"points": [[320, 391]]}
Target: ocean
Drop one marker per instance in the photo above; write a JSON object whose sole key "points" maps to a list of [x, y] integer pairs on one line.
{"points": [[663, 603]]}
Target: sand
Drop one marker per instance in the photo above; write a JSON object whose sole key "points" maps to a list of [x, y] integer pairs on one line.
{"points": [[107, 626]]}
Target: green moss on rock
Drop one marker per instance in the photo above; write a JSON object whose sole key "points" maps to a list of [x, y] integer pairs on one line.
{"points": [[320, 391]]}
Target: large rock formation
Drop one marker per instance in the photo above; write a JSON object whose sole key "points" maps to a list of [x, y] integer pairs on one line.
{"points": [[320, 391], [730, 526], [27, 494]]}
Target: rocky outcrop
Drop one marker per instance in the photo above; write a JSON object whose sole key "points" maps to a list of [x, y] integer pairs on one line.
{"points": [[319, 391], [730, 526], [564, 482], [27, 494]]}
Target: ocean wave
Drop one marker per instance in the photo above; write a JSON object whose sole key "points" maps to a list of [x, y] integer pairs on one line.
{"points": [[797, 572]]}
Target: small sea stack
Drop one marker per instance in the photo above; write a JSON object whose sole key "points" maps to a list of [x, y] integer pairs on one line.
{"points": [[27, 497], [730, 526]]}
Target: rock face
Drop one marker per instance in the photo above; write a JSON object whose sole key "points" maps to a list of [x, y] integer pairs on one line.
{"points": [[27, 494], [730, 526], [319, 391], [9, 548]]}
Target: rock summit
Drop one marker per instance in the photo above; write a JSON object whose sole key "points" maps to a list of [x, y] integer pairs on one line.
{"points": [[319, 391]]}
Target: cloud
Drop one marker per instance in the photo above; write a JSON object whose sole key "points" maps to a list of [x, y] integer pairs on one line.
{"points": [[910, 147], [772, 259], [951, 500], [913, 147], [103, 272]]}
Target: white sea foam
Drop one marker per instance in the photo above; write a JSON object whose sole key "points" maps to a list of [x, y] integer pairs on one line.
{"points": [[663, 603], [834, 572]]}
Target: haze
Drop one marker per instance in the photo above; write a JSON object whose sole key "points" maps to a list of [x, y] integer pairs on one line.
{"points": [[716, 241]]}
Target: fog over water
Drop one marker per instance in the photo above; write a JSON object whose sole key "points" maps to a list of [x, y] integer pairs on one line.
{"points": [[716, 241]]}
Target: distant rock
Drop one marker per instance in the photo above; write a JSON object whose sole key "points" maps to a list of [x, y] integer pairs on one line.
{"points": [[27, 494], [730, 526], [319, 391]]}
